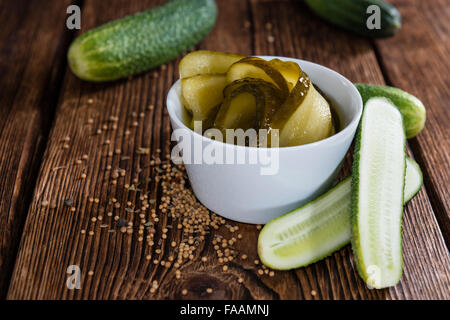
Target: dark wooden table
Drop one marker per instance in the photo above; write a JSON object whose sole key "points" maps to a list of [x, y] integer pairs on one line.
{"points": [[42, 103]]}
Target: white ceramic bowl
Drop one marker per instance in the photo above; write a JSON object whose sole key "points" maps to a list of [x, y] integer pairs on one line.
{"points": [[240, 191]]}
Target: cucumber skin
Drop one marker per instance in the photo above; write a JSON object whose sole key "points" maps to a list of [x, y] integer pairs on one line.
{"points": [[141, 41], [355, 241], [351, 15], [412, 109]]}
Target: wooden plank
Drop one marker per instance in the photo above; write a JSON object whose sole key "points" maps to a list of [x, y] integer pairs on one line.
{"points": [[52, 239], [32, 58], [417, 60]]}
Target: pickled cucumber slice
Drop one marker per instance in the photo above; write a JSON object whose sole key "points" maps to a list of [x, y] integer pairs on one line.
{"points": [[201, 94], [320, 227], [289, 70], [253, 67], [206, 62], [243, 108], [377, 194], [311, 121], [246, 104]]}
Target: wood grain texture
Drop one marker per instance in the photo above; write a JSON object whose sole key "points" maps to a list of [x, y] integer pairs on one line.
{"points": [[417, 60], [52, 238], [32, 54]]}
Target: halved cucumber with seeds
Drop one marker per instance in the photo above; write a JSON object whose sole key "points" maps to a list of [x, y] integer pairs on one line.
{"points": [[320, 227], [377, 194]]}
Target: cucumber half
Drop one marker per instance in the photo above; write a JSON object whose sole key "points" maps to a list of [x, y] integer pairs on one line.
{"points": [[377, 194], [320, 227], [413, 179]]}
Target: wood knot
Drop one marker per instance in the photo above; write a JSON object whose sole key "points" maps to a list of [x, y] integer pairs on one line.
{"points": [[204, 286]]}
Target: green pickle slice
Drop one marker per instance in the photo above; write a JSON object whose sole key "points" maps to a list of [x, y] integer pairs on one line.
{"points": [[258, 68], [256, 93]]}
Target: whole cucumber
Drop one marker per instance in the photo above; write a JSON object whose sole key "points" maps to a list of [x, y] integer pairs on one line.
{"points": [[141, 41], [411, 108], [352, 15]]}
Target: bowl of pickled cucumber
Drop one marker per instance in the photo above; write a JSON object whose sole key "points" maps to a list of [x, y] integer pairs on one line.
{"points": [[260, 135]]}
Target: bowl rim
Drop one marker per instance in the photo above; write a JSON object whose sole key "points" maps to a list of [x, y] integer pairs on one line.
{"points": [[342, 134]]}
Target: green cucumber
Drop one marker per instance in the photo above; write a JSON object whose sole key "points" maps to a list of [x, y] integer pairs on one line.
{"points": [[412, 109], [352, 15], [320, 227], [141, 41], [378, 180]]}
